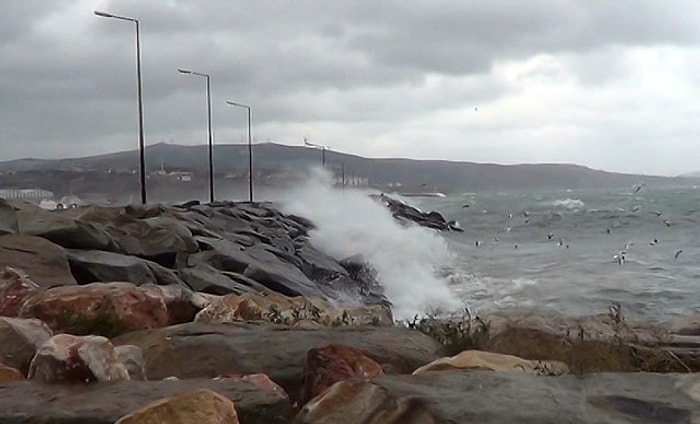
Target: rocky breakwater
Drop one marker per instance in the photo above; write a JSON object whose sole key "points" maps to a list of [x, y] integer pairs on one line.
{"points": [[405, 213], [226, 313]]}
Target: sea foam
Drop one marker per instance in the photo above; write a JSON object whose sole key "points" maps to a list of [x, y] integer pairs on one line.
{"points": [[348, 222]]}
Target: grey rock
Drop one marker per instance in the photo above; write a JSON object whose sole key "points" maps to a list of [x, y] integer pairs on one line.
{"points": [[28, 402], [89, 266], [201, 350], [44, 262], [152, 237], [67, 228], [507, 397]]}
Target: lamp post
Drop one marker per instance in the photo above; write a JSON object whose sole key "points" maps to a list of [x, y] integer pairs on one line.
{"points": [[250, 148], [209, 132], [142, 143], [323, 150]]}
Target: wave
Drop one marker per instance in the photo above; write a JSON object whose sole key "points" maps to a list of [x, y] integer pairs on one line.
{"points": [[569, 203], [406, 259]]}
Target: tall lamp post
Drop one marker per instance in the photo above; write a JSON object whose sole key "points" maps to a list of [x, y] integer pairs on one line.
{"points": [[142, 143], [209, 132], [250, 148], [317, 146]]}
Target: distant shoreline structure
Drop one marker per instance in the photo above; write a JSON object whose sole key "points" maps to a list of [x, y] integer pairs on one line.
{"points": [[430, 194]]}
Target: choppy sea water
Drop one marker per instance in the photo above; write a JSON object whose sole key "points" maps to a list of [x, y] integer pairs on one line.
{"points": [[566, 241]]}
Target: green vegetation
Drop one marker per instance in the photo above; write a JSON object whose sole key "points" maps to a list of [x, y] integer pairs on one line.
{"points": [[103, 320]]}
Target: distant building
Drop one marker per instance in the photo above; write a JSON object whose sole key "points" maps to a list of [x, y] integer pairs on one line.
{"points": [[29, 194]]}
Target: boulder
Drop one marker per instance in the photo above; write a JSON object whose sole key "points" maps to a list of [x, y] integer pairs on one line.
{"points": [[200, 350], [28, 402], [132, 358], [77, 359], [8, 218], [9, 374], [479, 360], [45, 263], [106, 309], [202, 406], [90, 266], [19, 341], [15, 288], [159, 238], [332, 363], [201, 276], [503, 398], [67, 228]]}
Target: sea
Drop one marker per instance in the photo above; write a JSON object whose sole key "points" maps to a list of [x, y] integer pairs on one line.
{"points": [[556, 250]]}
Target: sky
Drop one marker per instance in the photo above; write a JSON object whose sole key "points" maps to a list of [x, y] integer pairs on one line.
{"points": [[612, 85]]}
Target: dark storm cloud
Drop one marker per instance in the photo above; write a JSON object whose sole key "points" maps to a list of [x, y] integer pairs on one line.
{"points": [[341, 69]]}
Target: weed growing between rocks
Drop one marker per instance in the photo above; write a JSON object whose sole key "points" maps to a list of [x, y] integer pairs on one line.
{"points": [[455, 334], [583, 347]]}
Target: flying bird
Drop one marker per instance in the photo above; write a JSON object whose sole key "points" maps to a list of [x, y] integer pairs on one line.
{"points": [[677, 254], [619, 258], [638, 187]]}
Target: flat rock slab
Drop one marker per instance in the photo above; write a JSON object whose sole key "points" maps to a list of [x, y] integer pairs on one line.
{"points": [[507, 397], [26, 402], [198, 350]]}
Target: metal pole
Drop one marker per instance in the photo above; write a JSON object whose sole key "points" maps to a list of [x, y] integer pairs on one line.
{"points": [[323, 156], [250, 157], [142, 142], [211, 144]]}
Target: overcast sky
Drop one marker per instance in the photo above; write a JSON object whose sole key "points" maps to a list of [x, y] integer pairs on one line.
{"points": [[612, 85]]}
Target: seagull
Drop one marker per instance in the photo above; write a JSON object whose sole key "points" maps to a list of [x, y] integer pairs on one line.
{"points": [[561, 242], [508, 229], [658, 213], [477, 243], [496, 239], [627, 246], [636, 208], [526, 214], [638, 187], [653, 242], [510, 215], [620, 258], [550, 236], [607, 230], [466, 205], [678, 253], [667, 222]]}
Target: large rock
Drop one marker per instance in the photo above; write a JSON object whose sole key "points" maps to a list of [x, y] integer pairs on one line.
{"points": [[479, 360], [70, 228], [202, 406], [27, 402], [90, 266], [199, 350], [19, 341], [503, 398], [181, 303], [196, 271], [44, 262], [256, 263], [8, 218], [77, 359], [159, 238], [329, 364], [106, 309], [15, 288]]}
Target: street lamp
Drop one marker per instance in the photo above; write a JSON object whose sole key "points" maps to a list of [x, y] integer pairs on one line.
{"points": [[209, 132], [142, 143], [250, 149], [323, 150]]}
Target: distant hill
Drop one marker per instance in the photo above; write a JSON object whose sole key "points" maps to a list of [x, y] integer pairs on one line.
{"points": [[412, 175]]}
